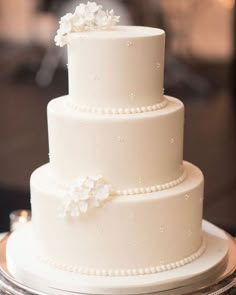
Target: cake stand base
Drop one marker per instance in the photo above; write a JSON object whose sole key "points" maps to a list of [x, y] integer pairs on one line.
{"points": [[212, 267]]}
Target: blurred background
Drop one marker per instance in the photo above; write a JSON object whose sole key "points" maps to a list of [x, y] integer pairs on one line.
{"points": [[200, 70]]}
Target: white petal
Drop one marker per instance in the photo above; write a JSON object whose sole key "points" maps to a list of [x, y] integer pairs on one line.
{"points": [[84, 194], [80, 9], [79, 181], [78, 22], [89, 16], [71, 195], [65, 28], [89, 183], [96, 177], [66, 18], [102, 192], [61, 40], [83, 206]]}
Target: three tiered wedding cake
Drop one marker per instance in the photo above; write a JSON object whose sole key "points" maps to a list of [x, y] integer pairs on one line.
{"points": [[116, 198]]}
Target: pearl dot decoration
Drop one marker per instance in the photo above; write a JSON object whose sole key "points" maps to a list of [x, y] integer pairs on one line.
{"points": [[132, 96], [120, 139], [149, 189], [189, 234], [129, 43], [139, 179], [117, 111], [162, 229], [95, 77], [158, 65], [172, 140], [131, 217], [186, 197], [129, 271]]}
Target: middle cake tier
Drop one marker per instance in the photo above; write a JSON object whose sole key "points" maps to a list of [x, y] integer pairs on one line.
{"points": [[133, 152]]}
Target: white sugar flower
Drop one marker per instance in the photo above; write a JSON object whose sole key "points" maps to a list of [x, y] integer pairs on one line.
{"points": [[113, 19], [93, 7], [87, 17], [61, 39], [83, 194], [101, 19], [87, 11], [79, 23], [66, 23], [83, 206], [102, 192], [80, 10]]}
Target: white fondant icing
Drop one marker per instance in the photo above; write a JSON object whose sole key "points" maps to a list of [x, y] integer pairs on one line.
{"points": [[86, 144], [125, 59], [138, 243], [25, 267], [128, 272]]}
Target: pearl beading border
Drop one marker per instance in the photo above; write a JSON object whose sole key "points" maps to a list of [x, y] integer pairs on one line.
{"points": [[150, 189], [117, 111], [127, 272], [140, 190]]}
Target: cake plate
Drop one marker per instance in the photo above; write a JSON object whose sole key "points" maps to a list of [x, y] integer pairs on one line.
{"points": [[222, 283]]}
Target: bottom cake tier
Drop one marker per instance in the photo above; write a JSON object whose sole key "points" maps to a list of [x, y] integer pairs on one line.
{"points": [[127, 235], [25, 270]]}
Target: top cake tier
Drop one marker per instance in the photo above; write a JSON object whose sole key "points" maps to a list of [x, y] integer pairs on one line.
{"points": [[117, 68]]}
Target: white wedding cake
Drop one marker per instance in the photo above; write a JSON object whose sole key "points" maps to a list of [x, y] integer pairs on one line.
{"points": [[116, 198]]}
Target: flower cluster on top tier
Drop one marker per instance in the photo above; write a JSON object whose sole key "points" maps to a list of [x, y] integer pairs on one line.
{"points": [[83, 194], [87, 17]]}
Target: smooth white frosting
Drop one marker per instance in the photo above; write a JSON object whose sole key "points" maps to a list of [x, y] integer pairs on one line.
{"points": [[128, 272], [118, 68], [150, 230], [25, 267], [130, 151]]}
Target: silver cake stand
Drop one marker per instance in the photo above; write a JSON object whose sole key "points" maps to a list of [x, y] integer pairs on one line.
{"points": [[224, 284]]}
